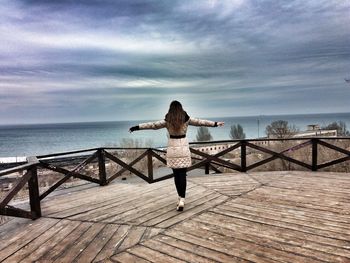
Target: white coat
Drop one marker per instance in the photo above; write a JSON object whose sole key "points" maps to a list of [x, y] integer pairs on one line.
{"points": [[178, 152]]}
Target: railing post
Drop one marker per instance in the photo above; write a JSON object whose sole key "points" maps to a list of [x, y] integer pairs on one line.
{"points": [[102, 167], [207, 166], [150, 164], [243, 156], [34, 197], [314, 154]]}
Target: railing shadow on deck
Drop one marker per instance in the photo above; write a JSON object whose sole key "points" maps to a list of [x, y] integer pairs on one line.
{"points": [[201, 159]]}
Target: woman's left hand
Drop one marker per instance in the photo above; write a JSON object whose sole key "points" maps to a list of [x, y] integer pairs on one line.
{"points": [[134, 128]]}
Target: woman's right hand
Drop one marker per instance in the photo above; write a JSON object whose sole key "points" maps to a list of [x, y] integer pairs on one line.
{"points": [[221, 123]]}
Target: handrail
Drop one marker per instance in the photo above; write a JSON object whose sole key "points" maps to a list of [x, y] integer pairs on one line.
{"points": [[32, 160], [66, 153], [271, 139], [101, 155], [15, 169]]}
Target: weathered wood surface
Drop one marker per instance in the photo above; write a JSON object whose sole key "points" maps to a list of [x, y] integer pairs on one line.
{"points": [[253, 217]]}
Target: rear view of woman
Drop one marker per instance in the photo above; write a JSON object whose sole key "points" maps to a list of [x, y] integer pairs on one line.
{"points": [[178, 154]]}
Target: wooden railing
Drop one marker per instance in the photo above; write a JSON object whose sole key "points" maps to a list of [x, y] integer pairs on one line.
{"points": [[201, 159]]}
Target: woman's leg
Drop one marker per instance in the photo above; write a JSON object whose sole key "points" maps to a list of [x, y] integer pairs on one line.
{"points": [[180, 181]]}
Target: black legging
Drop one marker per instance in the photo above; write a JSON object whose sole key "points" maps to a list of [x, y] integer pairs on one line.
{"points": [[180, 181]]}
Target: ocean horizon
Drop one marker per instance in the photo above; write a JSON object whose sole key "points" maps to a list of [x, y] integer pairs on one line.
{"points": [[37, 139]]}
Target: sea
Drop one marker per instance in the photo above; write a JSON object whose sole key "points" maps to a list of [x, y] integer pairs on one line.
{"points": [[17, 141]]}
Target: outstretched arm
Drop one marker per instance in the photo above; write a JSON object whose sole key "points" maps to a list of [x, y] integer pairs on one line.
{"points": [[200, 122], [149, 126]]}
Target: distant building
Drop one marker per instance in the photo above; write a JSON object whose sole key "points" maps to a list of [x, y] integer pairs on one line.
{"points": [[315, 130], [312, 130]]}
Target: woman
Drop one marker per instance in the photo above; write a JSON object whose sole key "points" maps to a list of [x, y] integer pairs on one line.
{"points": [[178, 154]]}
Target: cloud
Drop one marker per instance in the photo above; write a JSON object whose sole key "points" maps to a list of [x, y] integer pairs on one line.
{"points": [[235, 57]]}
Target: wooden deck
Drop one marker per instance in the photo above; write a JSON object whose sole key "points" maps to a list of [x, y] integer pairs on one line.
{"points": [[253, 217]]}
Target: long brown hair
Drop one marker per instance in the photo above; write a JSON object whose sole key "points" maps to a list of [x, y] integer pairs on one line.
{"points": [[176, 115]]}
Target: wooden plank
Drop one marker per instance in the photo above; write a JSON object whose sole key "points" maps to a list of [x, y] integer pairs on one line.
{"points": [[151, 232], [12, 227], [111, 247], [281, 252], [309, 187], [158, 204], [90, 203], [13, 247], [327, 215], [126, 257], [80, 245], [69, 241], [292, 240], [267, 177], [113, 215], [96, 194], [162, 211], [13, 234], [97, 244], [52, 242], [281, 195], [134, 236], [41, 240], [228, 185], [65, 206], [289, 217], [152, 255], [287, 224], [169, 211], [240, 251], [125, 237], [110, 213], [319, 182], [176, 252], [309, 217], [199, 250], [188, 213]]}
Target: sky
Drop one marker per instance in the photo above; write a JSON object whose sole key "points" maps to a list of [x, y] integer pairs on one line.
{"points": [[106, 60]]}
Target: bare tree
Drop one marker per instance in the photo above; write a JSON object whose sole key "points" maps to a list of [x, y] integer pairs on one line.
{"points": [[203, 134], [280, 129], [237, 132], [340, 126]]}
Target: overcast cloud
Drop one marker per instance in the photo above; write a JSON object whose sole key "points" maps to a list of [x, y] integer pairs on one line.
{"points": [[63, 61]]}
